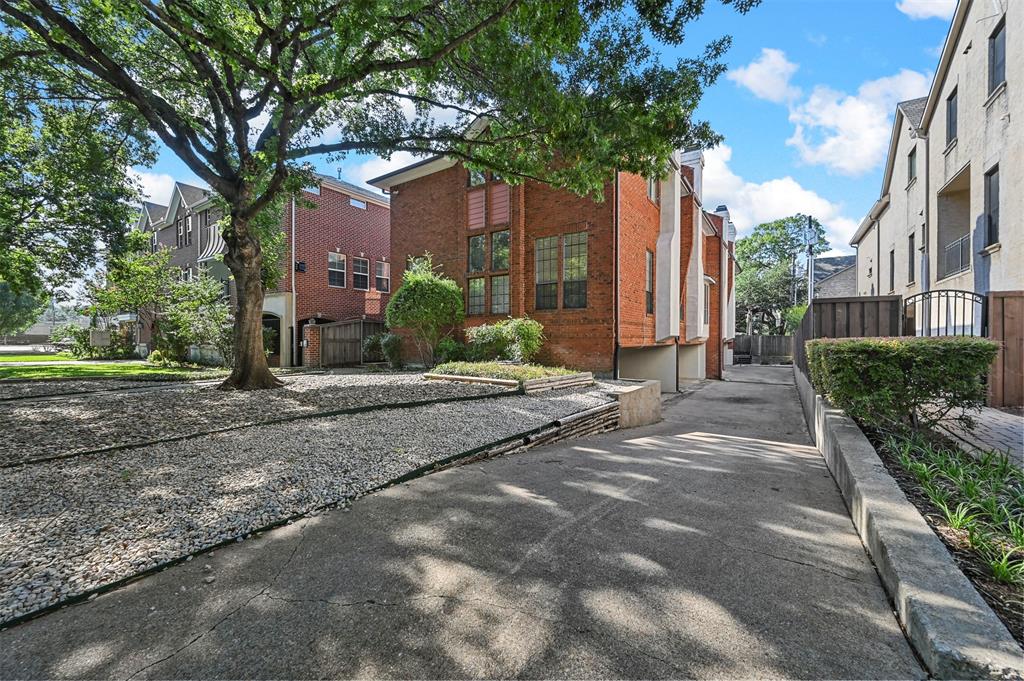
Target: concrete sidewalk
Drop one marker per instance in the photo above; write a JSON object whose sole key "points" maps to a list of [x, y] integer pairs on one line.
{"points": [[714, 544]]}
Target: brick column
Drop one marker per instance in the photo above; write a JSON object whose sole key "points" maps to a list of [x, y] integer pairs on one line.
{"points": [[311, 353]]}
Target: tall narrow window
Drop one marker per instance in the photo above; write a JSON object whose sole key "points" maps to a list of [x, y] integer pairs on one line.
{"points": [[336, 270], [707, 303], [475, 296], [476, 253], [997, 57], [361, 274], [652, 189], [499, 250], [649, 284], [911, 259], [574, 270], [892, 270], [951, 117], [188, 230], [546, 273], [992, 206], [179, 240], [912, 166], [499, 294], [383, 278]]}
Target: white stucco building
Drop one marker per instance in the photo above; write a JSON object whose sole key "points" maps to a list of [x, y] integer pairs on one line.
{"points": [[949, 214]]}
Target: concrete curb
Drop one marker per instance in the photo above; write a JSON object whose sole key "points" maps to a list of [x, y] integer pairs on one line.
{"points": [[948, 624]]}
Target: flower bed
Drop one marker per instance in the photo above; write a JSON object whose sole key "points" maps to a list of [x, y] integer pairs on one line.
{"points": [[500, 370]]}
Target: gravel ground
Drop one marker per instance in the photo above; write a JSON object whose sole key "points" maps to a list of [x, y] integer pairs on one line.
{"points": [[10, 390], [73, 525], [82, 423]]}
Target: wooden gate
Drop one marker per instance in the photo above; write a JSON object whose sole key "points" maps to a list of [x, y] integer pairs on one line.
{"points": [[1006, 325], [341, 343]]}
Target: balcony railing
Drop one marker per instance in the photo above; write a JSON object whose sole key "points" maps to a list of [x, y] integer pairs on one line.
{"points": [[956, 257]]}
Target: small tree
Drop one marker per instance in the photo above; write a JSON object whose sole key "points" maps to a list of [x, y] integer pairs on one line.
{"points": [[197, 313], [18, 310], [428, 304], [137, 280]]}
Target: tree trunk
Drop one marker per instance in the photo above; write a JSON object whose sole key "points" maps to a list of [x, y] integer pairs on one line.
{"points": [[244, 259]]}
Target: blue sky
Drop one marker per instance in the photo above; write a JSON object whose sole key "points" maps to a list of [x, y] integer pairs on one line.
{"points": [[806, 107]]}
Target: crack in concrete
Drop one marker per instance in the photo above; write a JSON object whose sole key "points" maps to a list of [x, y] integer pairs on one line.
{"points": [[225, 618], [787, 560]]}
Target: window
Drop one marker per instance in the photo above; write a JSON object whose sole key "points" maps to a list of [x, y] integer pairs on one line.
{"points": [[499, 294], [179, 239], [649, 285], [911, 258], [997, 57], [912, 166], [476, 253], [574, 270], [992, 206], [546, 273], [499, 251], [361, 274], [356, 203], [707, 303], [476, 178], [652, 189], [336, 270], [383, 282], [475, 296], [188, 230], [892, 270], [951, 117]]}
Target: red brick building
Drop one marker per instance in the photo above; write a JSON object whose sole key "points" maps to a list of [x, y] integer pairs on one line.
{"points": [[336, 264], [625, 286]]}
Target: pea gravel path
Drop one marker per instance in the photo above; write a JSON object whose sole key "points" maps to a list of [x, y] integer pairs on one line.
{"points": [[17, 390], [73, 525], [83, 423]]}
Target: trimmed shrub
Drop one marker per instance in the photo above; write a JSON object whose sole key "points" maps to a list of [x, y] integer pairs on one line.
{"points": [[450, 350], [391, 347], [372, 351], [157, 357], [428, 304], [899, 382], [517, 339]]}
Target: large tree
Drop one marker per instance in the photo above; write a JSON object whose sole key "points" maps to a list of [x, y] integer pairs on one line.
{"points": [[240, 90], [64, 187], [18, 310], [771, 278]]}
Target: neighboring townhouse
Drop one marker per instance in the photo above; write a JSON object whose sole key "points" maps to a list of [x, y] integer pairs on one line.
{"points": [[336, 265], [638, 285], [949, 213], [835, 277]]}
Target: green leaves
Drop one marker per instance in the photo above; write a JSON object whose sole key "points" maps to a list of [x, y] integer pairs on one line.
{"points": [[18, 310], [427, 303]]}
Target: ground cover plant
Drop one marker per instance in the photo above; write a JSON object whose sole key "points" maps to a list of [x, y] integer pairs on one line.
{"points": [[129, 370], [510, 372]]}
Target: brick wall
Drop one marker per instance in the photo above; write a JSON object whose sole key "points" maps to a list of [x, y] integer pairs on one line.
{"points": [[311, 353], [713, 269], [639, 224]]}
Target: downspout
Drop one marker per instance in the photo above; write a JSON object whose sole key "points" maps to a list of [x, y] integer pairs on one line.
{"points": [[926, 266], [295, 332], [615, 260]]}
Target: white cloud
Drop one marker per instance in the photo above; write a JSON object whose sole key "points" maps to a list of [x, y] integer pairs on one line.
{"points": [[751, 203], [927, 9], [850, 133], [817, 39], [768, 76], [375, 167], [156, 186]]}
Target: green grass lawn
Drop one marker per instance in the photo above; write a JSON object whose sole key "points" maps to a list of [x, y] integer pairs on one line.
{"points": [[37, 357], [512, 372], [111, 370]]}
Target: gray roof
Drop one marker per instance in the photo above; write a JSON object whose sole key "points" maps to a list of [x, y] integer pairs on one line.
{"points": [[827, 267], [355, 190], [192, 194], [913, 110], [155, 210]]}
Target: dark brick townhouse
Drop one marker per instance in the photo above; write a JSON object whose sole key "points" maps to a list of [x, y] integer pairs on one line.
{"points": [[631, 286], [337, 263]]}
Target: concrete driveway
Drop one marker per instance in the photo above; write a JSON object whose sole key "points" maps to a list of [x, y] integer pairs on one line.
{"points": [[714, 544]]}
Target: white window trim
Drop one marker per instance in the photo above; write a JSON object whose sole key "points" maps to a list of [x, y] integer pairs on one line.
{"points": [[355, 274], [376, 276], [343, 270]]}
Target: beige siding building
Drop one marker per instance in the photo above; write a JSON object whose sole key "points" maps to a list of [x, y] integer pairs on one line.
{"points": [[949, 215]]}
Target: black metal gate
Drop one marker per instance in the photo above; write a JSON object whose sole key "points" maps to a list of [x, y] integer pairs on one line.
{"points": [[946, 313]]}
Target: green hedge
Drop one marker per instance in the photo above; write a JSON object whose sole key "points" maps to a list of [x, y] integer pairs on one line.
{"points": [[899, 382]]}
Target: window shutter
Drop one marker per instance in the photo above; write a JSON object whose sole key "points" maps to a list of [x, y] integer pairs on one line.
{"points": [[499, 200], [475, 208]]}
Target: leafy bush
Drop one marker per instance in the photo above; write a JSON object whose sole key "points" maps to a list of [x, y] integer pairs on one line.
{"points": [[512, 372], [516, 339], [428, 304], [899, 382], [391, 346], [75, 340], [158, 358], [450, 350], [372, 351]]}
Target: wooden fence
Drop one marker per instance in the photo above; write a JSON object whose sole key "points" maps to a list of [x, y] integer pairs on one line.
{"points": [[762, 349], [341, 343], [1006, 325], [854, 317]]}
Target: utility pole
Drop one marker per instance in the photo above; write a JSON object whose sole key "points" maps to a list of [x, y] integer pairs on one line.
{"points": [[810, 261]]}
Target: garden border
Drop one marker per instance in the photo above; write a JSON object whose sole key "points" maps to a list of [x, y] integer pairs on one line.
{"points": [[589, 421], [947, 622]]}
